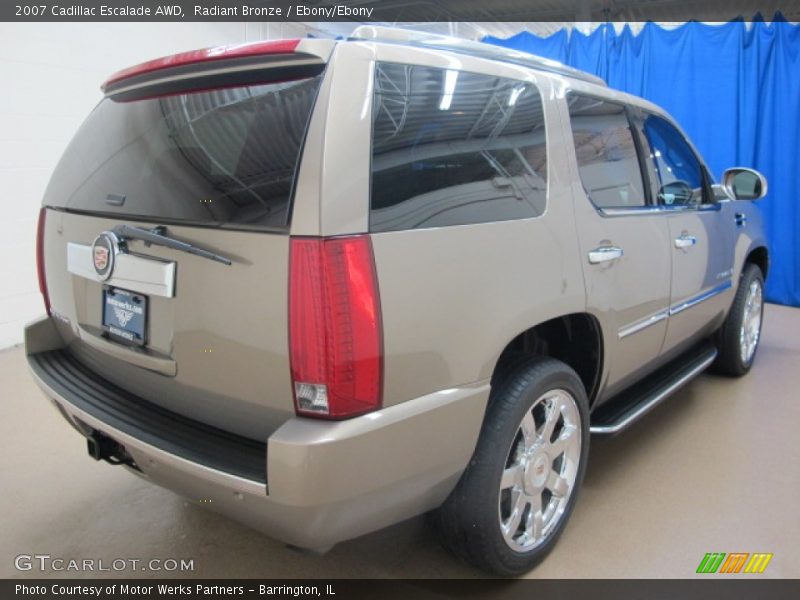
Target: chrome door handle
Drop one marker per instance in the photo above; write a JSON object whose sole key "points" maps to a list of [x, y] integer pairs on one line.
{"points": [[605, 254], [685, 241], [741, 219]]}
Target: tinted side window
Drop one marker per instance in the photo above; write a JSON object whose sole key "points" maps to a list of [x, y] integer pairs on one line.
{"points": [[679, 173], [606, 152], [454, 148]]}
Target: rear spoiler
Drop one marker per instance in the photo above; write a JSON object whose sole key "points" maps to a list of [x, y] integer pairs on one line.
{"points": [[221, 66]]}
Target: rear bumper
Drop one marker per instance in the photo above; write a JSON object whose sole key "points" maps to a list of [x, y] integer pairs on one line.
{"points": [[324, 482]]}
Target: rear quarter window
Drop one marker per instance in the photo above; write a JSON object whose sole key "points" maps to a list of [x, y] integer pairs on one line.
{"points": [[454, 148]]}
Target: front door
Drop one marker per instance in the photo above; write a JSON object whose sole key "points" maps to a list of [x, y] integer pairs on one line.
{"points": [[700, 236]]}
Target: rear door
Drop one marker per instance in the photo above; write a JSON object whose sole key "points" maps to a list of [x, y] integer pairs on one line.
{"points": [[624, 239], [213, 167]]}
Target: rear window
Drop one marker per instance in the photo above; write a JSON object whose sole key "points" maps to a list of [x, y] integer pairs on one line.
{"points": [[225, 157], [454, 148]]}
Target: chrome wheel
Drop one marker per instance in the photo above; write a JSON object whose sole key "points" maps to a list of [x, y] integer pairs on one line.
{"points": [[540, 470], [750, 330]]}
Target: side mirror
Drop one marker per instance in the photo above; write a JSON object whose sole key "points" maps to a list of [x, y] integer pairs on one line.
{"points": [[741, 183]]}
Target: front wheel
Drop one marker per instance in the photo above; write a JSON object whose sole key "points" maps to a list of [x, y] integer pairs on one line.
{"points": [[517, 493], [738, 338]]}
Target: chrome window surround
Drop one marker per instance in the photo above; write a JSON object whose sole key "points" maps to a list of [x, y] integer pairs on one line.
{"points": [[661, 209]]}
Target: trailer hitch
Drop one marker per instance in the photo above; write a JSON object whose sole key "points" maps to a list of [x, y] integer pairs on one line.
{"points": [[102, 447]]}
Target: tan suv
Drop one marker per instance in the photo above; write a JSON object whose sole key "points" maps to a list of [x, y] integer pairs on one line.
{"points": [[328, 286]]}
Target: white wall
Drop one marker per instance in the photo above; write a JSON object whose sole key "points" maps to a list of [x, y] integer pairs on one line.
{"points": [[50, 76]]}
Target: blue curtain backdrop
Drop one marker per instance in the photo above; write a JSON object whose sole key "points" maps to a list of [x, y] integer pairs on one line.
{"points": [[735, 91]]}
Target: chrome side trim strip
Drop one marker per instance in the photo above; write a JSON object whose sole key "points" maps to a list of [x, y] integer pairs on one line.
{"points": [[656, 210], [642, 210], [657, 398], [681, 306], [134, 272], [638, 326]]}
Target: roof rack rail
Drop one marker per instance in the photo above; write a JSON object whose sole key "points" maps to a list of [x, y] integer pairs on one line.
{"points": [[478, 49]]}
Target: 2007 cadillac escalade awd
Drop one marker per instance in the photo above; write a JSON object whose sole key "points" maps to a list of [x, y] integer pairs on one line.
{"points": [[333, 285]]}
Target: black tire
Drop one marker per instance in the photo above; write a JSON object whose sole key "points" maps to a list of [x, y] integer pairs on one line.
{"points": [[469, 521], [729, 360]]}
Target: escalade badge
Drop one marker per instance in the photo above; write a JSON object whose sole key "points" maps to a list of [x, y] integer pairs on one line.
{"points": [[104, 250]]}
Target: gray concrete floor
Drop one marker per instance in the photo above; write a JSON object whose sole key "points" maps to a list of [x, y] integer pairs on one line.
{"points": [[714, 469]]}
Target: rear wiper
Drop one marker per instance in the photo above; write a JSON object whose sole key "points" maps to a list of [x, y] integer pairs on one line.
{"points": [[158, 237]]}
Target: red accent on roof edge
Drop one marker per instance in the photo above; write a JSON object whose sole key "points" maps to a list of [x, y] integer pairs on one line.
{"points": [[205, 55]]}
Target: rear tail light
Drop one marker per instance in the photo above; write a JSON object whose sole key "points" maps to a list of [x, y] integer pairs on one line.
{"points": [[40, 259], [335, 337]]}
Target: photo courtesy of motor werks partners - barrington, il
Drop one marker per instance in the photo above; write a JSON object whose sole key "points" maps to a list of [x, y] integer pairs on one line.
{"points": [[213, 591]]}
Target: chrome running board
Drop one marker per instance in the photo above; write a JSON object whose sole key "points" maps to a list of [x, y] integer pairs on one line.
{"points": [[631, 405]]}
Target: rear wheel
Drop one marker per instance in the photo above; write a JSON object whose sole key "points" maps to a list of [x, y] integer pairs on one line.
{"points": [[739, 336], [517, 493]]}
